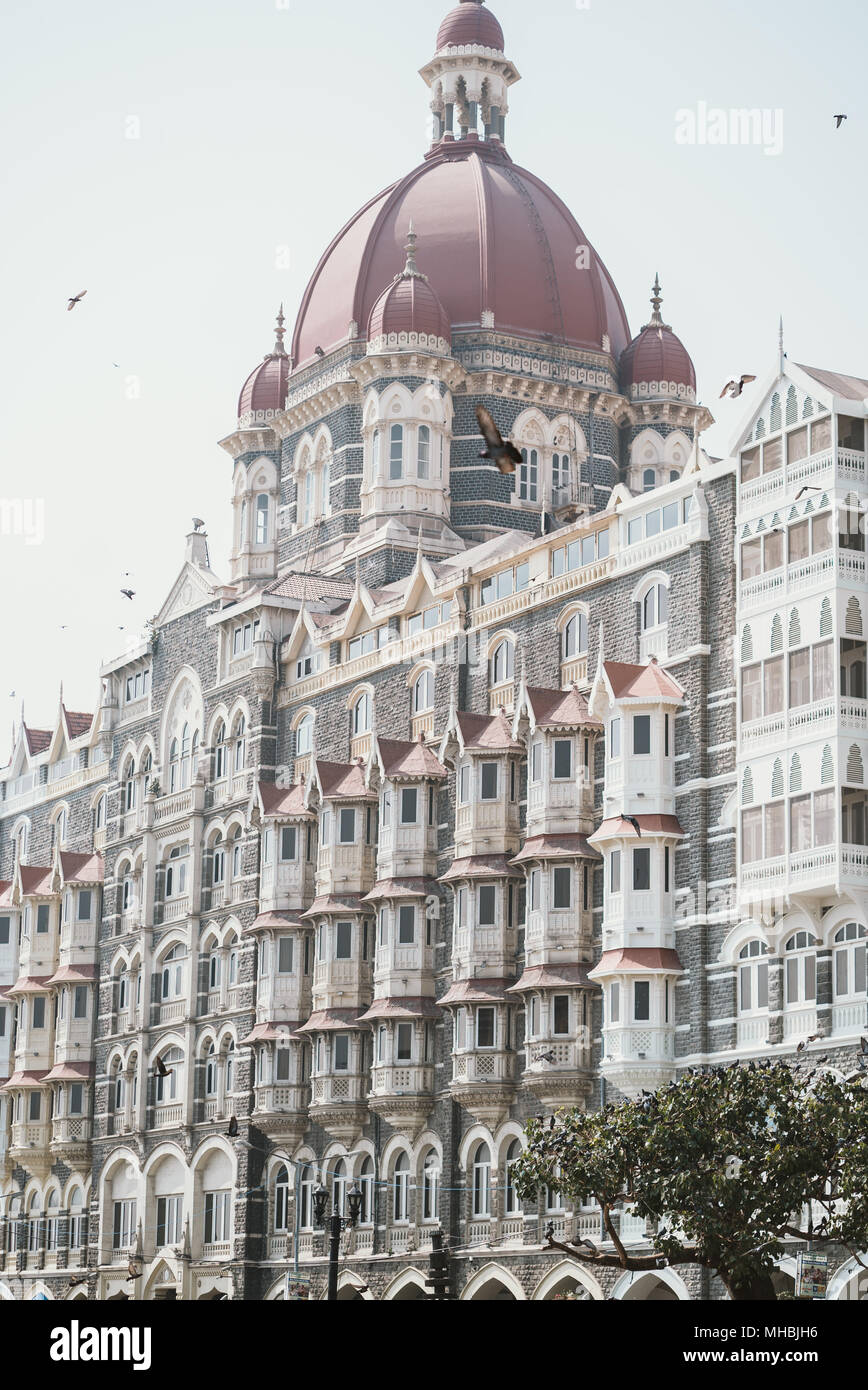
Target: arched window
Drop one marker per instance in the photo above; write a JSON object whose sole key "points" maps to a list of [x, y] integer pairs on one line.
{"points": [[242, 525], [214, 967], [431, 1187], [220, 752], [262, 520], [366, 1184], [34, 1214], [482, 1180], [655, 607], [396, 451], [401, 1188], [304, 736], [528, 476], [211, 1072], [362, 714], [800, 969], [649, 480], [502, 663], [753, 979], [560, 478], [339, 1187], [119, 1088], [674, 475], [176, 872], [236, 852], [168, 1087], [174, 766], [423, 452], [240, 743], [218, 863], [99, 813], [850, 963], [281, 1200], [129, 792], [423, 692], [575, 637], [513, 1201], [325, 483], [171, 974], [230, 1066], [185, 756], [305, 1198]]}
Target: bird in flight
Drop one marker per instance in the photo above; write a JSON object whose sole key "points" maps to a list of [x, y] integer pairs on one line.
{"points": [[160, 1067], [76, 299], [863, 1043], [839, 121], [804, 1043], [735, 388], [635, 824], [802, 490], [129, 593], [232, 1131], [498, 450]]}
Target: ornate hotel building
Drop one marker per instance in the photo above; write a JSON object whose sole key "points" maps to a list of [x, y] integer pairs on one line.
{"points": [[459, 797]]}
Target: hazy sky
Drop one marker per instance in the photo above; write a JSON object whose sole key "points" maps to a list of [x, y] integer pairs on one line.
{"points": [[263, 125]]}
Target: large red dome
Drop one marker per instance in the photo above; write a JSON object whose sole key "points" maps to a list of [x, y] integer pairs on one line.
{"points": [[470, 23], [495, 239]]}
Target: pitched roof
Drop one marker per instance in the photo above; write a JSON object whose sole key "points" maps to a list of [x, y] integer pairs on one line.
{"points": [[407, 759], [26, 1080], [392, 888], [406, 1006], [268, 921], [35, 881], [854, 388], [77, 724], [551, 976], [478, 866], [645, 960], [346, 902], [71, 1071], [560, 708], [5, 897], [283, 801], [648, 824], [492, 732], [555, 847], [476, 991], [29, 984], [37, 740], [273, 1032], [651, 680], [82, 868], [343, 782], [330, 1021], [312, 587], [78, 974]]}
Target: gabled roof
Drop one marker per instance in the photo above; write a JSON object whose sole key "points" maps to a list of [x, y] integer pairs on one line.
{"points": [[398, 758], [34, 881], [77, 725], [343, 782], [276, 801], [627, 681], [81, 868], [853, 388], [485, 733], [37, 740], [565, 709], [314, 588]]}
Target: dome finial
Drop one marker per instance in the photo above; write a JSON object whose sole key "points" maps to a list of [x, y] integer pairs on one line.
{"points": [[656, 300], [411, 267], [280, 334]]}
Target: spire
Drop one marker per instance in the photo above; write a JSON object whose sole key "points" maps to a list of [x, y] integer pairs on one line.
{"points": [[279, 335], [656, 300], [411, 267], [781, 354]]}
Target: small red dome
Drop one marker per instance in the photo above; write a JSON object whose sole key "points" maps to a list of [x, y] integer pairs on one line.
{"points": [[409, 305], [265, 388], [657, 357], [470, 23]]}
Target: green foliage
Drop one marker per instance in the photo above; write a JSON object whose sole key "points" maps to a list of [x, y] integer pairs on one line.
{"points": [[726, 1160]]}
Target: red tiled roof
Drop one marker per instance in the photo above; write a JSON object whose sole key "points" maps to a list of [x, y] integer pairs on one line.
{"points": [[37, 740], [343, 782], [650, 824], [79, 974], [330, 1021], [550, 977], [406, 1006], [478, 866], [346, 902], [651, 680], [491, 732], [400, 759], [82, 868], [283, 801], [77, 724], [564, 709], [35, 881], [643, 960], [71, 1071], [268, 921], [555, 847], [313, 587], [390, 888], [25, 1080], [273, 1032], [29, 984], [476, 991]]}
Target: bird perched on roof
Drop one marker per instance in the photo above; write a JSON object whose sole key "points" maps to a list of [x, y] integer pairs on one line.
{"points": [[839, 121], [319, 351], [735, 388], [632, 820], [76, 299], [497, 449], [129, 593], [804, 1043], [198, 524], [232, 1131]]}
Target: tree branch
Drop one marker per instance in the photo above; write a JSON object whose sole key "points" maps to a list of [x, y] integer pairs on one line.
{"points": [[688, 1256]]}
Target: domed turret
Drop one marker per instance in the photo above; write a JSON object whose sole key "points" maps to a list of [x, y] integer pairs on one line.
{"points": [[264, 392], [657, 365], [470, 23], [408, 314]]}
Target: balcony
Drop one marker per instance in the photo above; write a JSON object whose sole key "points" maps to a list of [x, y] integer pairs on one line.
{"points": [[70, 1137], [558, 1071], [654, 643], [809, 872], [281, 1111], [174, 909], [402, 1095], [851, 468], [803, 576], [168, 1116], [484, 1083], [799, 1023]]}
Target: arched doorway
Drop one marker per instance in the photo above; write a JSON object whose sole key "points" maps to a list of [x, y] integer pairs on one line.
{"points": [[567, 1281], [493, 1284], [646, 1288]]}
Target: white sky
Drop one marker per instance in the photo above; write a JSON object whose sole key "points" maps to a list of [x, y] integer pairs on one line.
{"points": [[264, 125]]}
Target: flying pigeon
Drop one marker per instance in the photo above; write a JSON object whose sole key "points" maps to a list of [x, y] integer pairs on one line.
{"points": [[735, 388], [802, 490], [233, 1127], [129, 593], [160, 1068], [76, 299], [804, 1043], [499, 451], [635, 824], [839, 120]]}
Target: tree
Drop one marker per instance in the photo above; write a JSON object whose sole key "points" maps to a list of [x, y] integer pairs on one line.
{"points": [[730, 1162]]}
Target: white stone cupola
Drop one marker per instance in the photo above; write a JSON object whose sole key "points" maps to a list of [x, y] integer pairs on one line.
{"points": [[469, 76]]}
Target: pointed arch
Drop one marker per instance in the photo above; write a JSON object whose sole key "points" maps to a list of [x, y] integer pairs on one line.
{"points": [[566, 1271], [486, 1282]]}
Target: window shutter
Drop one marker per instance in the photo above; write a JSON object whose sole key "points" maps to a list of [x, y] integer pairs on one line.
{"points": [[796, 774]]}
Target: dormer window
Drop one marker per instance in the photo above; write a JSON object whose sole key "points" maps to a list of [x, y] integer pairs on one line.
{"points": [[579, 553], [243, 637], [369, 642]]}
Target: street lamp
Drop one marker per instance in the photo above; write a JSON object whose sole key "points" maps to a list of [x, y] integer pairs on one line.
{"points": [[336, 1224]]}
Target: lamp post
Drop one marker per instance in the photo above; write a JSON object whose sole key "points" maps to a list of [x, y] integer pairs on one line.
{"points": [[336, 1224]]}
